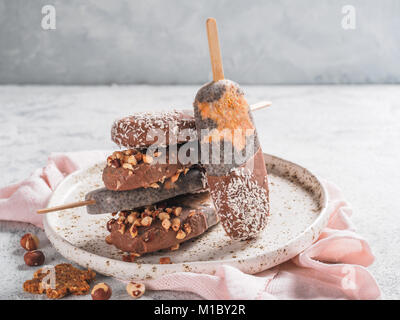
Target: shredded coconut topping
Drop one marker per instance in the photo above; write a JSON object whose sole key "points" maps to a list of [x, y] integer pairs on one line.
{"points": [[243, 204], [136, 127]]}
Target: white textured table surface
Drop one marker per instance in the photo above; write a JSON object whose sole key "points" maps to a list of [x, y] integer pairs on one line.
{"points": [[347, 134]]}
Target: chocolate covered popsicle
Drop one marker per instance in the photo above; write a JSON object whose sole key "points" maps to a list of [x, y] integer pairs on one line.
{"points": [[231, 152], [108, 201], [162, 226], [131, 169], [143, 129]]}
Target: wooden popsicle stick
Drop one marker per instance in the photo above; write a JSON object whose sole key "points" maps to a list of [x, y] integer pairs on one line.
{"points": [[67, 206], [260, 105], [215, 51]]}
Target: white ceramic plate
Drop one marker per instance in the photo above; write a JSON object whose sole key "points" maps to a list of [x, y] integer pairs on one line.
{"points": [[298, 214]]}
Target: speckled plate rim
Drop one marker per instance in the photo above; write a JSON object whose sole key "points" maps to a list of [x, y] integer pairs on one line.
{"points": [[139, 271]]}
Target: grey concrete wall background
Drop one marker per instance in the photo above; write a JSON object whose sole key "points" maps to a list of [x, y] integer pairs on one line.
{"points": [[164, 41]]}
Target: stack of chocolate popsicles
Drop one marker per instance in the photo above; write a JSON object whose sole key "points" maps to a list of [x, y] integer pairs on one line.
{"points": [[143, 184], [156, 185], [162, 192]]}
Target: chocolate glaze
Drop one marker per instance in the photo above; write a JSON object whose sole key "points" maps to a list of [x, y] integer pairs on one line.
{"points": [[144, 175], [155, 237]]}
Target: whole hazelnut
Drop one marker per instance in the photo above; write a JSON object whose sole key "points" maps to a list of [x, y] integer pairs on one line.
{"points": [[34, 258], [29, 242], [101, 291], [135, 290]]}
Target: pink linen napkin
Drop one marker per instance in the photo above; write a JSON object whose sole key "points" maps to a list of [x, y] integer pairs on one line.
{"points": [[334, 267], [19, 202]]}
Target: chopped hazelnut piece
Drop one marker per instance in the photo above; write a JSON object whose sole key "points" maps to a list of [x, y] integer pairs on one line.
{"points": [[175, 247], [127, 166], [118, 155], [166, 224], [154, 185], [168, 210], [132, 160], [165, 260], [181, 235], [163, 215], [147, 159], [146, 221], [177, 211], [149, 209], [121, 220], [133, 231], [175, 177], [187, 228], [131, 218], [121, 229], [128, 152], [192, 213], [137, 222], [135, 290], [186, 170], [176, 224]]}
